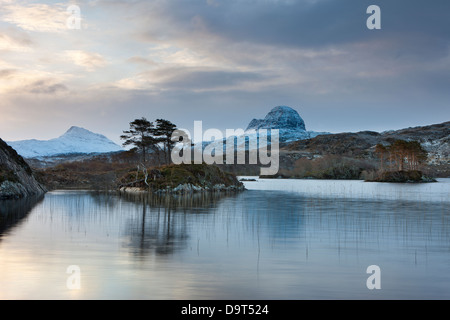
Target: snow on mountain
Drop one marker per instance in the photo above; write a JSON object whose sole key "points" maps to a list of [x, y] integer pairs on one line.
{"points": [[75, 140], [281, 117], [290, 125]]}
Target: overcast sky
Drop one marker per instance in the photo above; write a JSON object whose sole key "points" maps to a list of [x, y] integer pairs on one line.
{"points": [[224, 62]]}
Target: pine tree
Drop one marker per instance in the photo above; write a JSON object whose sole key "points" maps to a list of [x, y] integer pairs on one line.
{"points": [[402, 154], [140, 135], [382, 151], [163, 134]]}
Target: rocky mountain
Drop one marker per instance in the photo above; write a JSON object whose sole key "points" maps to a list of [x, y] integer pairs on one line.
{"points": [[16, 177], [281, 117], [75, 141], [287, 121]]}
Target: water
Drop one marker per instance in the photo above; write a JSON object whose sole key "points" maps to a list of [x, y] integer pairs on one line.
{"points": [[280, 239]]}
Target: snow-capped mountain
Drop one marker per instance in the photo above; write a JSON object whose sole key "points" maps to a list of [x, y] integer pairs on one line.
{"points": [[281, 117], [290, 125], [75, 140]]}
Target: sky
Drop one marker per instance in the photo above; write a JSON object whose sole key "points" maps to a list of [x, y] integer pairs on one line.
{"points": [[223, 62]]}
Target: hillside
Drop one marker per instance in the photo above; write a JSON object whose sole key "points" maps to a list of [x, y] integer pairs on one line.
{"points": [[16, 177], [358, 148], [434, 138]]}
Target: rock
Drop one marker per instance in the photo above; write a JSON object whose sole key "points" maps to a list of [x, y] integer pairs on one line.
{"points": [[190, 188], [16, 177], [131, 190]]}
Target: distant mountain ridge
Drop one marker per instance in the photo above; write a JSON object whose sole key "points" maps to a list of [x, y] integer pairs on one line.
{"points": [[76, 140], [434, 138]]}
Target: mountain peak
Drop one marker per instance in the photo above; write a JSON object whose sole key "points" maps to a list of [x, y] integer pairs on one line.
{"points": [[74, 140], [75, 128], [280, 117], [76, 131]]}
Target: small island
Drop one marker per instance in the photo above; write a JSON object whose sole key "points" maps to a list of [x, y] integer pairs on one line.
{"points": [[400, 162], [156, 142], [410, 176], [179, 179]]}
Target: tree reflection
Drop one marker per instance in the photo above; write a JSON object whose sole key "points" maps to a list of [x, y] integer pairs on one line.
{"points": [[188, 203], [162, 225], [14, 211]]}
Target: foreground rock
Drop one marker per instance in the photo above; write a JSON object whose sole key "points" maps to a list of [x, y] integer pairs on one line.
{"points": [[16, 177], [181, 179]]}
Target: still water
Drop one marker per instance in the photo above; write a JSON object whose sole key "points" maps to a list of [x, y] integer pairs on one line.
{"points": [[280, 239]]}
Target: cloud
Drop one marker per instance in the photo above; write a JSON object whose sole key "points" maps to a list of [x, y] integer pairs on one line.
{"points": [[141, 61], [305, 23], [16, 81], [90, 61], [299, 47], [203, 79], [11, 40], [7, 73], [44, 86], [36, 17], [166, 57], [193, 79], [244, 32]]}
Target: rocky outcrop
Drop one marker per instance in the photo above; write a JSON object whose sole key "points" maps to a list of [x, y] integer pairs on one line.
{"points": [[16, 177]]}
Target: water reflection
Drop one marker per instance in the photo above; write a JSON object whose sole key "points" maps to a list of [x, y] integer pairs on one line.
{"points": [[163, 224], [189, 203], [13, 211], [258, 244]]}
